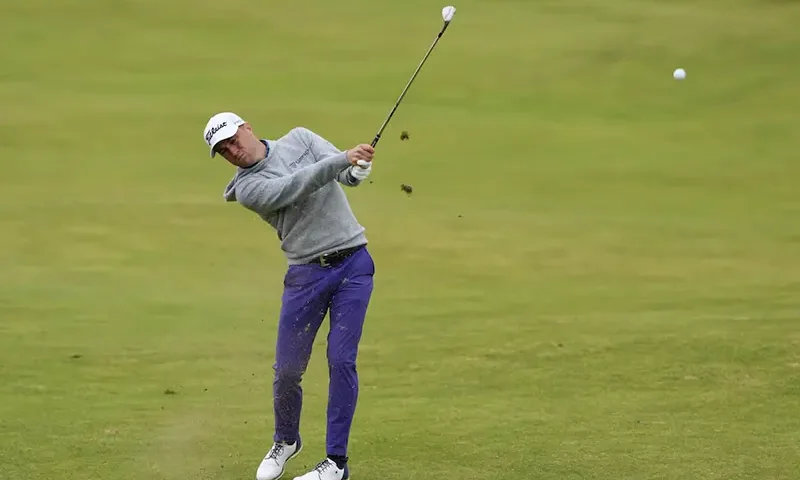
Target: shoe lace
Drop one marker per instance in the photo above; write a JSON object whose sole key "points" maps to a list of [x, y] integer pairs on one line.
{"points": [[324, 465], [275, 451]]}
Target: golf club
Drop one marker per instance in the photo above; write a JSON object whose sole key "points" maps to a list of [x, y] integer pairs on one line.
{"points": [[447, 16]]}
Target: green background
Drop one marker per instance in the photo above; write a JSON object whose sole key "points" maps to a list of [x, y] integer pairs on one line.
{"points": [[596, 277]]}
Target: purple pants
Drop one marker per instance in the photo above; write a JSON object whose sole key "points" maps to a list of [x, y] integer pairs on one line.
{"points": [[310, 291]]}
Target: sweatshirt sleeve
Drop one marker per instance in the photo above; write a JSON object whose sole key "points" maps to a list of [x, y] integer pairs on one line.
{"points": [[322, 148], [264, 195]]}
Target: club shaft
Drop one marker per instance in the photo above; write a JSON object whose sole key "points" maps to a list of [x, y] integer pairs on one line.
{"points": [[403, 94]]}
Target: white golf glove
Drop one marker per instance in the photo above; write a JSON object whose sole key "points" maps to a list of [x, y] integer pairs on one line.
{"points": [[362, 171]]}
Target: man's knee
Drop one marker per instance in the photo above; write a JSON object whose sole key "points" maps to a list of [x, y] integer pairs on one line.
{"points": [[342, 362], [288, 373]]}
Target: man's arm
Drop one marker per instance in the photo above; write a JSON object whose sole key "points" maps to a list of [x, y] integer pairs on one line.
{"points": [[346, 178], [263, 195], [322, 148]]}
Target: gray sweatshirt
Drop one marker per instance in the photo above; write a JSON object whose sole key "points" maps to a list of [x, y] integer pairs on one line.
{"points": [[297, 189]]}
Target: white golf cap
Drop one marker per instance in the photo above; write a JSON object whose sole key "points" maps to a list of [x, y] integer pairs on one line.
{"points": [[220, 127]]}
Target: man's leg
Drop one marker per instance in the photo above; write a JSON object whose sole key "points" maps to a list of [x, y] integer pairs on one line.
{"points": [[348, 311], [305, 300], [306, 296]]}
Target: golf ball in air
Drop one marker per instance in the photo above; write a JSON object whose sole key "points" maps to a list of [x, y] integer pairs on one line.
{"points": [[679, 74]]}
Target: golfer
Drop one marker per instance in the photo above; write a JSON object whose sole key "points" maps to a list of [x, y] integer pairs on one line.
{"points": [[295, 184]]}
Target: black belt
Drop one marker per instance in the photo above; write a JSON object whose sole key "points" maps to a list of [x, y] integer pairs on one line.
{"points": [[337, 256]]}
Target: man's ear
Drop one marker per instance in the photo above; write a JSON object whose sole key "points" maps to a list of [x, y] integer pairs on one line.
{"points": [[247, 127]]}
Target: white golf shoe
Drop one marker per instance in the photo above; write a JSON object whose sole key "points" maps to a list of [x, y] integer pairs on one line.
{"points": [[326, 470], [274, 463]]}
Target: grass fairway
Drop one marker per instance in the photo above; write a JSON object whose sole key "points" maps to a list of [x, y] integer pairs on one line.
{"points": [[597, 276]]}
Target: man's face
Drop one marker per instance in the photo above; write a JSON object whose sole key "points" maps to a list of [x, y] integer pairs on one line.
{"points": [[242, 149]]}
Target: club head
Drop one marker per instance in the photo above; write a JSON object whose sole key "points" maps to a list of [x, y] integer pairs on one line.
{"points": [[447, 13]]}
